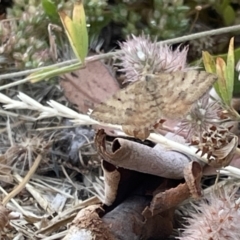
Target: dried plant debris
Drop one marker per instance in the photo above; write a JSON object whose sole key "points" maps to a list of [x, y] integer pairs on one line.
{"points": [[219, 144], [72, 146], [147, 201], [115, 224], [89, 86], [129, 154], [75, 147], [139, 183], [135, 192], [4, 217]]}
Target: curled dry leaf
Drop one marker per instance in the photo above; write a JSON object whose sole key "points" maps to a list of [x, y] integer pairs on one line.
{"points": [[89, 225], [123, 183], [141, 158], [172, 197], [111, 182], [166, 200], [193, 176], [89, 86]]}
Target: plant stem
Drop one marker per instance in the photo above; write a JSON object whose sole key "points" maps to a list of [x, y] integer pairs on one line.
{"points": [[114, 54]]}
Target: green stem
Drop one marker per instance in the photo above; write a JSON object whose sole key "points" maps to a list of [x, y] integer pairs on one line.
{"points": [[112, 54]]}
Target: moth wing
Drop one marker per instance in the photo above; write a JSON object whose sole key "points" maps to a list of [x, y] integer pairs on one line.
{"points": [[130, 107], [180, 90]]}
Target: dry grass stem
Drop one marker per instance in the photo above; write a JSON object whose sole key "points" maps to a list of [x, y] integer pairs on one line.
{"points": [[23, 183]]}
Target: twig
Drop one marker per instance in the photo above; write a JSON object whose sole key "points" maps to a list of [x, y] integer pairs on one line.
{"points": [[17, 115], [113, 54], [24, 182]]}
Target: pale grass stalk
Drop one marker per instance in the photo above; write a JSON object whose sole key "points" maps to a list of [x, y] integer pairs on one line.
{"points": [[230, 170], [109, 55], [20, 209], [23, 183], [19, 116], [43, 184], [82, 119], [35, 193]]}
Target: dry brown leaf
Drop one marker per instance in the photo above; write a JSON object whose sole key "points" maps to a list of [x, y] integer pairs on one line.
{"points": [[166, 200], [172, 197], [111, 181], [89, 86], [136, 156], [193, 176]]}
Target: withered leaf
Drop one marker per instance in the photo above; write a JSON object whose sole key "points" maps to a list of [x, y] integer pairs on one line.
{"points": [[89, 86]]}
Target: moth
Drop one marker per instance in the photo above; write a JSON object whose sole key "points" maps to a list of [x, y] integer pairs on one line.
{"points": [[155, 96]]}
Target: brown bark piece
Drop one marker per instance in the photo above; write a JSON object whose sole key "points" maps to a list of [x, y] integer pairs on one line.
{"points": [[138, 157], [166, 200], [111, 181], [88, 225], [89, 86]]}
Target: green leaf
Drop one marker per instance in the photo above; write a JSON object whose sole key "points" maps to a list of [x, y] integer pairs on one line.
{"points": [[71, 32], [50, 9], [221, 7], [76, 30], [222, 83], [224, 4], [52, 71], [209, 62], [79, 21], [210, 66], [228, 15], [236, 87], [229, 73]]}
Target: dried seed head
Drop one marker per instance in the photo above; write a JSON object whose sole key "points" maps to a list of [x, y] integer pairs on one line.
{"points": [[219, 144]]}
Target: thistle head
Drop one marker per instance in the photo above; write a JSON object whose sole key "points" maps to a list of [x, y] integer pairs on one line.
{"points": [[216, 217], [142, 56], [203, 114]]}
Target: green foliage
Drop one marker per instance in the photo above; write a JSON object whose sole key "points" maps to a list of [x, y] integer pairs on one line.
{"points": [[50, 9], [76, 30], [27, 38], [226, 11], [97, 15], [225, 70], [163, 19], [209, 64]]}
